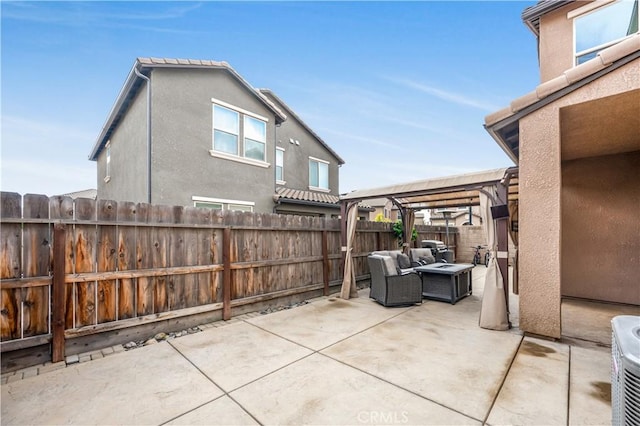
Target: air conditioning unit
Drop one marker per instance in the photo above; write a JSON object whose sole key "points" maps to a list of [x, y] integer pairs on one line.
{"points": [[625, 370]]}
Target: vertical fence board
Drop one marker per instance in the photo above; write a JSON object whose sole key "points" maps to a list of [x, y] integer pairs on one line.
{"points": [[144, 260], [62, 208], [176, 257], [106, 256], [85, 242], [37, 260], [10, 299], [58, 292], [126, 215], [160, 240]]}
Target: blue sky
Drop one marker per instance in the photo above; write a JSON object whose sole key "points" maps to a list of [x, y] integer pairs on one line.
{"points": [[399, 90]]}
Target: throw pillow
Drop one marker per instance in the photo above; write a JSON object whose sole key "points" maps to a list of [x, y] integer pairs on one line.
{"points": [[403, 261], [427, 260]]}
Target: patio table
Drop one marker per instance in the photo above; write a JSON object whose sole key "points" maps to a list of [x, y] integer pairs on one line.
{"points": [[447, 282]]}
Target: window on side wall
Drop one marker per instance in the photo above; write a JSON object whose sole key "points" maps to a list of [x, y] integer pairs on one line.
{"points": [[107, 173], [318, 174], [604, 27], [255, 138], [280, 166], [222, 204]]}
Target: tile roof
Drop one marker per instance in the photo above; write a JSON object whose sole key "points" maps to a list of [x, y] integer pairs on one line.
{"points": [[308, 196], [573, 75]]}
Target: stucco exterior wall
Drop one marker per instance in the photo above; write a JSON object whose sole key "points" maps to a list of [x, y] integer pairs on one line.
{"points": [[556, 42], [540, 213], [296, 157], [600, 233], [128, 168], [182, 138]]}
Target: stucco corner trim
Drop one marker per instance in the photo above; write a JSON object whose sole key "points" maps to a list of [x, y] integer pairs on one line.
{"points": [[242, 160]]}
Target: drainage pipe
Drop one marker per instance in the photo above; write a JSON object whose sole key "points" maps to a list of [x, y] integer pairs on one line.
{"points": [[144, 77]]}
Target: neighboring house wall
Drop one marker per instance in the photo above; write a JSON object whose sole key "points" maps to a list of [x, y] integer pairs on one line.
{"points": [[128, 166], [182, 140]]}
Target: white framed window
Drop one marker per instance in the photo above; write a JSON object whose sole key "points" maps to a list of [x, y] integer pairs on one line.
{"points": [[222, 203], [602, 27], [255, 138], [208, 205], [318, 174], [225, 130], [280, 165], [107, 173], [231, 125]]}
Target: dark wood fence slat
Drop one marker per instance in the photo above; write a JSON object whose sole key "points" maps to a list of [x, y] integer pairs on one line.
{"points": [[144, 260], [126, 213], [10, 267], [61, 208], [176, 255], [107, 256], [37, 262], [160, 241], [85, 242]]}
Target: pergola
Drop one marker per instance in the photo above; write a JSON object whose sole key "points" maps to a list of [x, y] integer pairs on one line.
{"points": [[492, 190]]}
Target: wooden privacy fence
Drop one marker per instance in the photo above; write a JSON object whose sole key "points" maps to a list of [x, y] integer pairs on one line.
{"points": [[72, 268]]}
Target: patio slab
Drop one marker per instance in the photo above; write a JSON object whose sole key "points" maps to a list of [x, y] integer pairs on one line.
{"points": [[325, 322], [150, 385], [253, 354], [443, 360], [320, 391], [223, 411], [535, 391], [590, 384]]}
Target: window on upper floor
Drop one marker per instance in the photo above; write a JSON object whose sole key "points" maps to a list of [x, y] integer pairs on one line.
{"points": [[318, 174], [232, 125], [605, 26], [280, 166]]}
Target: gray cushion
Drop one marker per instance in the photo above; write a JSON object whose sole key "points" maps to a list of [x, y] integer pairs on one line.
{"points": [[427, 259], [403, 261], [389, 265]]}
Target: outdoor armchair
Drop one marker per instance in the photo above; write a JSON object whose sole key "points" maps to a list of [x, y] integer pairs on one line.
{"points": [[390, 288]]}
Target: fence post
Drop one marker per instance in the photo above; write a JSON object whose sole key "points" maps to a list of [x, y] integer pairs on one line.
{"points": [[58, 294], [325, 262], [226, 274]]}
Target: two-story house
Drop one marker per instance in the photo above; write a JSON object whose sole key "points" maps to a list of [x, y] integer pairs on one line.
{"points": [[195, 133], [576, 140]]}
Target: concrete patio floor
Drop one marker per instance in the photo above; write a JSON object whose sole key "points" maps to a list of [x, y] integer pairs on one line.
{"points": [[331, 362]]}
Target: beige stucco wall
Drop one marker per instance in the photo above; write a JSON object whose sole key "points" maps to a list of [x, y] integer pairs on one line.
{"points": [[601, 231], [540, 202], [556, 42]]}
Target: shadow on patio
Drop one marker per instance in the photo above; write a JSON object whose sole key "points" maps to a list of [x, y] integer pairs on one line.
{"points": [[332, 362]]}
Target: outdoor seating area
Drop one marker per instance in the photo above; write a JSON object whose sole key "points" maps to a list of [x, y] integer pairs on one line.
{"points": [[403, 279], [333, 362]]}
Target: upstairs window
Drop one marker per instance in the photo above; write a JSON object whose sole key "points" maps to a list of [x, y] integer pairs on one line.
{"points": [[318, 174], [239, 135], [225, 130], [255, 138], [604, 27], [280, 165]]}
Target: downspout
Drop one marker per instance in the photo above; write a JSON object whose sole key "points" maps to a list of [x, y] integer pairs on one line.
{"points": [[144, 77]]}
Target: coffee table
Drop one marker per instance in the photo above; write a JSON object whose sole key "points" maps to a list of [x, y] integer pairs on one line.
{"points": [[447, 282]]}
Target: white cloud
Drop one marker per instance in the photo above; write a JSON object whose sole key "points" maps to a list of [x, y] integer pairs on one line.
{"points": [[445, 95]]}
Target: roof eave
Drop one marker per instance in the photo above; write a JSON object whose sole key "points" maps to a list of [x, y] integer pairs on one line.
{"points": [[531, 15], [309, 129]]}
